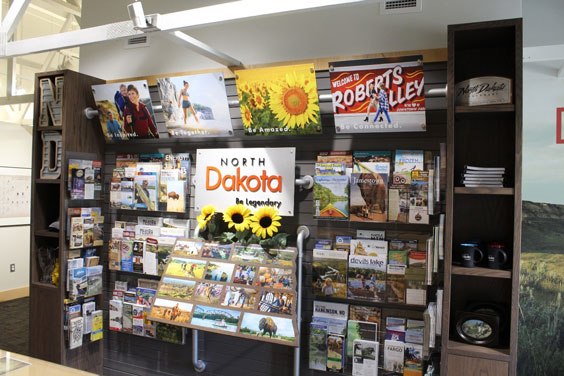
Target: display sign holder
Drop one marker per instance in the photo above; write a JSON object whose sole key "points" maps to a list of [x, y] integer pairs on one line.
{"points": [[306, 182]]}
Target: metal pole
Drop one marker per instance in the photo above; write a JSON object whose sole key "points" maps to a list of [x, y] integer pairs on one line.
{"points": [[199, 365], [303, 234], [305, 181]]}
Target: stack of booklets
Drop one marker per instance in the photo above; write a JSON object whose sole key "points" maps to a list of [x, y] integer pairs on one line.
{"points": [[129, 311], [403, 346], [483, 176], [328, 329], [144, 246], [150, 182]]}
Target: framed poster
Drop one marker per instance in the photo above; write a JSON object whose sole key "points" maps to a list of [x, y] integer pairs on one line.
{"points": [[125, 110], [279, 100], [253, 177], [378, 95], [195, 105], [233, 289], [15, 196]]}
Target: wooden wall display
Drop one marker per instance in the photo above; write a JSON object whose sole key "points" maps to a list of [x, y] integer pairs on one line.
{"points": [[227, 355], [230, 289], [51, 102], [60, 117]]}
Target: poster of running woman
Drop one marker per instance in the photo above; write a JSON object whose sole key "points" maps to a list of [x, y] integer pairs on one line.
{"points": [[378, 95]]}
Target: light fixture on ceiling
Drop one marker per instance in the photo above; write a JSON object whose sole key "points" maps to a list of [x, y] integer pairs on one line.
{"points": [[140, 21]]}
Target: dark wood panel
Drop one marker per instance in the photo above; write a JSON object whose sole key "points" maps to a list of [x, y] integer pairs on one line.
{"points": [[467, 366]]}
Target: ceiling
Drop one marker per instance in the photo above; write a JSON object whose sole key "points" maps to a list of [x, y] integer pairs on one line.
{"points": [[346, 30]]}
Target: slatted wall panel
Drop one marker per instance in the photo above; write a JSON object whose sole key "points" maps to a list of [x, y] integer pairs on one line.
{"points": [[126, 354]]}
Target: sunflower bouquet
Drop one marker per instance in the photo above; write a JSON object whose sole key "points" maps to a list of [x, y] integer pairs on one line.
{"points": [[279, 100], [239, 224]]}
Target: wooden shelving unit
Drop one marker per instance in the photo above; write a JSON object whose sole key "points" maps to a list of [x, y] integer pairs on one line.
{"points": [[49, 204], [484, 109], [484, 191], [481, 272], [488, 136]]}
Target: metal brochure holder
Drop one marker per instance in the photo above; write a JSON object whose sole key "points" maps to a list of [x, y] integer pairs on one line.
{"points": [[303, 233]]}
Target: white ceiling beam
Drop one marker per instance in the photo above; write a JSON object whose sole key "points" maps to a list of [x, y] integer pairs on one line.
{"points": [[543, 53], [16, 99], [204, 49], [13, 17], [192, 18]]}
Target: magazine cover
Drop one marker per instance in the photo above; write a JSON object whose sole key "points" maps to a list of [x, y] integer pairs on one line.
{"points": [[393, 356], [276, 302], [413, 360], [369, 161], [270, 327], [378, 95], [369, 195], [368, 247], [240, 297], [365, 358], [331, 197], [279, 100], [418, 197], [329, 273], [146, 192], [125, 110], [195, 105], [176, 288], [318, 347], [362, 313], [367, 331], [409, 160], [396, 283], [216, 318], [171, 310], [335, 353], [367, 277]]}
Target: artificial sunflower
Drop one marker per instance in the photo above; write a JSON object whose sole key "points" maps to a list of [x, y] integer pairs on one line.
{"points": [[246, 116], [207, 213], [265, 220], [294, 101], [237, 216]]}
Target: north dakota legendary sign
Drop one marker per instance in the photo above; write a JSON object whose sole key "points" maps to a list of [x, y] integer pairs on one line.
{"points": [[252, 177], [378, 95]]}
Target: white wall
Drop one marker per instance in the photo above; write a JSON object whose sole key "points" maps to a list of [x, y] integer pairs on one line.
{"points": [[327, 32], [543, 174], [15, 151]]}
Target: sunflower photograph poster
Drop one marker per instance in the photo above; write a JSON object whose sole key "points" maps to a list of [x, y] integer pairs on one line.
{"points": [[254, 177], [378, 95], [279, 101]]}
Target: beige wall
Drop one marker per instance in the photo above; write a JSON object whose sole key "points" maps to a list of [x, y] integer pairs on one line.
{"points": [[15, 151]]}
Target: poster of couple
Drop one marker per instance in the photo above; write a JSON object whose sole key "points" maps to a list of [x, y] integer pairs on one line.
{"points": [[192, 106]]}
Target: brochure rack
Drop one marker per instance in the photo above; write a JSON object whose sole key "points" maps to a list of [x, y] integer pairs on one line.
{"points": [[302, 235]]}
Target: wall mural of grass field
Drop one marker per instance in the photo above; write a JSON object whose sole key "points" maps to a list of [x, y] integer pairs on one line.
{"points": [[541, 315]]}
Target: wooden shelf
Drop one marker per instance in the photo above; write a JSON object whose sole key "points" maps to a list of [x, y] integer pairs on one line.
{"points": [[52, 128], [45, 285], [484, 191], [412, 307], [47, 233], [484, 109], [48, 181], [481, 272], [465, 349]]}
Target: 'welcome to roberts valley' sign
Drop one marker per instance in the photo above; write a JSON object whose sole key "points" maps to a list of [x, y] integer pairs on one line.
{"points": [[253, 177]]}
